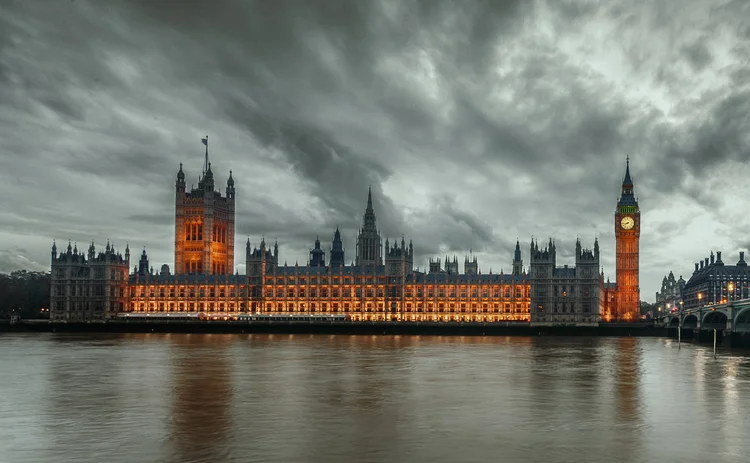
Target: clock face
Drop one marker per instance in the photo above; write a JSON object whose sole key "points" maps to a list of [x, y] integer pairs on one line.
{"points": [[627, 223]]}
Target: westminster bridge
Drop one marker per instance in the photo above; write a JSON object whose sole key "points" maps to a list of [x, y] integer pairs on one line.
{"points": [[729, 318]]}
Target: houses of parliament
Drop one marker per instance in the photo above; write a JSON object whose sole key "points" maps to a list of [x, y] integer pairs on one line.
{"points": [[381, 284]]}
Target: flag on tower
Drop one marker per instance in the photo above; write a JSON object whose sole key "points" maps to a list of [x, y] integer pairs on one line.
{"points": [[205, 141]]}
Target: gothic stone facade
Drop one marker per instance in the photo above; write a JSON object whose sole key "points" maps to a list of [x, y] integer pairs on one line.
{"points": [[204, 226], [565, 295], [381, 284], [88, 287], [370, 290]]}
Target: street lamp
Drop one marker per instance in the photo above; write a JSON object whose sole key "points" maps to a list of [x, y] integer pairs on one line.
{"points": [[730, 288], [700, 297]]}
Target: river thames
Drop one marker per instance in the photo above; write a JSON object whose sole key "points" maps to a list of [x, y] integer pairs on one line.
{"points": [[271, 398]]}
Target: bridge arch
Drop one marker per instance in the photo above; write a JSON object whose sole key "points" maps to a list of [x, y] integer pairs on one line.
{"points": [[690, 322], [742, 321], [674, 322], [714, 320]]}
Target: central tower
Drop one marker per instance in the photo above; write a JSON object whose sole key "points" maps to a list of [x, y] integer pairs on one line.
{"points": [[204, 225], [627, 237], [369, 246]]}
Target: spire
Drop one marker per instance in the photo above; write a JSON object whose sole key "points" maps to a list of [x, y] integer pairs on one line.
{"points": [[369, 245], [230, 181], [627, 197], [627, 180]]}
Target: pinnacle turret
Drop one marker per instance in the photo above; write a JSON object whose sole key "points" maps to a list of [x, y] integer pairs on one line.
{"points": [[181, 178]]}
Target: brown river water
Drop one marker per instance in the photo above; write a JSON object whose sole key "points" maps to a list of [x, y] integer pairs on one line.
{"points": [[304, 398]]}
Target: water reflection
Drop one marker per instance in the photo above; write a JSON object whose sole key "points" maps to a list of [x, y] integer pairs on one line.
{"points": [[628, 400], [202, 389], [180, 398], [627, 361]]}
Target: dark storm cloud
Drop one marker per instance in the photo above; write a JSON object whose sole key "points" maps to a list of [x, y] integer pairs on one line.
{"points": [[698, 54], [475, 122]]}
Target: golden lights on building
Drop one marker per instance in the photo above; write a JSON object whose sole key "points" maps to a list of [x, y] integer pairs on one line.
{"points": [[342, 291]]}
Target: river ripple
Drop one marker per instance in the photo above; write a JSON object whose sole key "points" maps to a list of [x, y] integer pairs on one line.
{"points": [[270, 398]]}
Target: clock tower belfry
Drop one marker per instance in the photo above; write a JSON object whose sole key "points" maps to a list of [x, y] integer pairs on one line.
{"points": [[627, 236]]}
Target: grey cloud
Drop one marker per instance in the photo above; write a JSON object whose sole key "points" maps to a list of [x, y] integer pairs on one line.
{"points": [[508, 130], [698, 54]]}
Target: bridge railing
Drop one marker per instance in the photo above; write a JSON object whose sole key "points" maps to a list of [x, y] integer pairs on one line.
{"points": [[709, 305]]}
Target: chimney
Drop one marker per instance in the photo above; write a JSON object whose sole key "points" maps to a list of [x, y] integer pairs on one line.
{"points": [[718, 257], [696, 266]]}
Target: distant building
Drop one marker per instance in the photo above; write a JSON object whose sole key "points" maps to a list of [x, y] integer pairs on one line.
{"points": [[670, 295], [713, 282]]}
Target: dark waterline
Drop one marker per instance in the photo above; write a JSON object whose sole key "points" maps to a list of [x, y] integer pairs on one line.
{"points": [[305, 398]]}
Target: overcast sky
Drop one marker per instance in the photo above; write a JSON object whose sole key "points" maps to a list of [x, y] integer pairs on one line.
{"points": [[476, 123]]}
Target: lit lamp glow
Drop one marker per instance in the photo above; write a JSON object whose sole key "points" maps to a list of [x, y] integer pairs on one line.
{"points": [[730, 288]]}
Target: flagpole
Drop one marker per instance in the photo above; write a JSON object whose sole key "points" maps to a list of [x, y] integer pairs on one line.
{"points": [[205, 166]]}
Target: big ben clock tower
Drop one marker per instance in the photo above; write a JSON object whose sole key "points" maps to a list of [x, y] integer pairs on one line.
{"points": [[627, 235]]}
